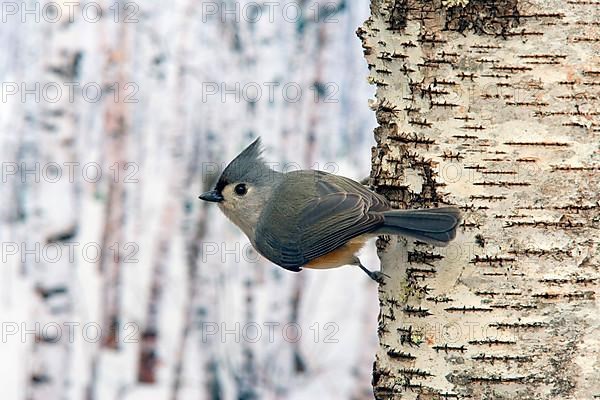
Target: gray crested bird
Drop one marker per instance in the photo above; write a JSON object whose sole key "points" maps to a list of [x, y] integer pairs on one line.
{"points": [[314, 219]]}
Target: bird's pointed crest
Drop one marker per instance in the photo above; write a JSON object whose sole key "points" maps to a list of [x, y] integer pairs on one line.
{"points": [[248, 166]]}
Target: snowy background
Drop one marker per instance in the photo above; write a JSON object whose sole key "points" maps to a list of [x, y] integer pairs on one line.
{"points": [[116, 281]]}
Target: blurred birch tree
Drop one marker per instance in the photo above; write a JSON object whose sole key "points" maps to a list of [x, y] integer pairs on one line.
{"points": [[163, 94]]}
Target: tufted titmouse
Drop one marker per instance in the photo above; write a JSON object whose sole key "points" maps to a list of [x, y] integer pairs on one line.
{"points": [[314, 219]]}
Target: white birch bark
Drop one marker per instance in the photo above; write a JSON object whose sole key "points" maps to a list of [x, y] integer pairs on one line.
{"points": [[494, 107]]}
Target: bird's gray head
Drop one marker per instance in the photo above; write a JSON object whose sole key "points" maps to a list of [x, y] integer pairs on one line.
{"points": [[244, 188]]}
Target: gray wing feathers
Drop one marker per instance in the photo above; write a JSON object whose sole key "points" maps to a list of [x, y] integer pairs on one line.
{"points": [[337, 184], [340, 217], [318, 220]]}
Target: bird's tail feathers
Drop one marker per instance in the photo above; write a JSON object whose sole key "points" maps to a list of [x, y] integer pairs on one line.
{"points": [[434, 225]]}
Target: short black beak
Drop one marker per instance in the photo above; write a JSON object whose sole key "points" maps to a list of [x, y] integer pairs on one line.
{"points": [[211, 195]]}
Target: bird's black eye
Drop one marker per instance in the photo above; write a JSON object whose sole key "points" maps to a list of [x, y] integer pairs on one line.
{"points": [[240, 189]]}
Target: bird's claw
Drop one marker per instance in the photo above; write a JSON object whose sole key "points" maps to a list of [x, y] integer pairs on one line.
{"points": [[378, 277]]}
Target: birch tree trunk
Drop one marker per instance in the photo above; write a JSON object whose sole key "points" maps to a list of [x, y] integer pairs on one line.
{"points": [[492, 106]]}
